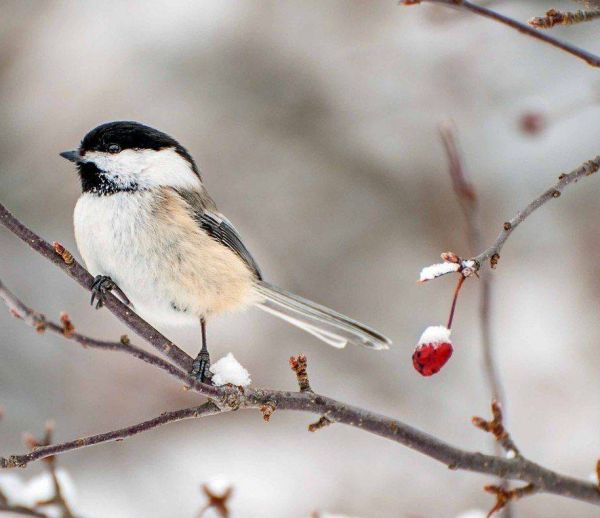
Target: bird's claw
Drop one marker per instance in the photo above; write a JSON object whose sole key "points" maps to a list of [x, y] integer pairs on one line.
{"points": [[100, 287], [201, 368]]}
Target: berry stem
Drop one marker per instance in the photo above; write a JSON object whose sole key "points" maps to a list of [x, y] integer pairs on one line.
{"points": [[456, 290]]}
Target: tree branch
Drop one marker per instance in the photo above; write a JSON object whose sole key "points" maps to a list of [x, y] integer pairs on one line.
{"points": [[38, 321], [469, 203], [464, 5], [467, 198], [232, 398], [493, 252], [42, 452], [74, 270]]}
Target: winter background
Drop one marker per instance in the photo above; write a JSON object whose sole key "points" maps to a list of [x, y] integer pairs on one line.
{"points": [[315, 127]]}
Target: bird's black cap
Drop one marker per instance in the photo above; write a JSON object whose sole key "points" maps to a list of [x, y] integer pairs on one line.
{"points": [[129, 135]]}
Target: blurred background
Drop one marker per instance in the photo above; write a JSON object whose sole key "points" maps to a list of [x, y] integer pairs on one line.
{"points": [[315, 125]]}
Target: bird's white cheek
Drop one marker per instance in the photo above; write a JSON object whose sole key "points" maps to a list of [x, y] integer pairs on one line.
{"points": [[122, 168], [146, 168], [167, 168]]}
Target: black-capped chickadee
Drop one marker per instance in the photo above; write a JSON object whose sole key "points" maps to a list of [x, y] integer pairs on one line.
{"points": [[146, 224]]}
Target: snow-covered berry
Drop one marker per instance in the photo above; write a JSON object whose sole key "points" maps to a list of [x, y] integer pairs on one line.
{"points": [[433, 350]]}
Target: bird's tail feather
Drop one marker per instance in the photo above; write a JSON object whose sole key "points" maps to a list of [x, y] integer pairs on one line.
{"points": [[333, 328]]}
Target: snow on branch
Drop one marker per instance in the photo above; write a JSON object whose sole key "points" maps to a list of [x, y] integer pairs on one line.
{"points": [[437, 270], [229, 370]]}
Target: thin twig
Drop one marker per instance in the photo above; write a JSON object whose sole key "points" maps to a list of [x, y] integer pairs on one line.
{"points": [[554, 17], [493, 252], [469, 203], [298, 364], [497, 429], [228, 398], [42, 452], [38, 321], [464, 5]]}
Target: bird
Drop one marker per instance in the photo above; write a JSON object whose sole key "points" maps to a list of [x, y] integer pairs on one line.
{"points": [[147, 228]]}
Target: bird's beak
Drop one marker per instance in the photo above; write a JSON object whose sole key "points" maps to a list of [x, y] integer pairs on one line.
{"points": [[72, 155]]}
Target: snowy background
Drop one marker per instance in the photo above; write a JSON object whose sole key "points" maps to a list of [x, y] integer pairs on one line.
{"points": [[315, 126]]}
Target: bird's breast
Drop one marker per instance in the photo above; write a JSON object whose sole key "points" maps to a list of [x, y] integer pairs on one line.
{"points": [[150, 245]]}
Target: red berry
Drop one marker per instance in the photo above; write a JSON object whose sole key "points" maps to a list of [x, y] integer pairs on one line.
{"points": [[429, 358]]}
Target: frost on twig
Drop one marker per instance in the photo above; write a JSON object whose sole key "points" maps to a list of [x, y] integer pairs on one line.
{"points": [[229, 370], [452, 264], [437, 270]]}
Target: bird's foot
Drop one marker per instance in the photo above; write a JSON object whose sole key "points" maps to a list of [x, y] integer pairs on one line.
{"points": [[201, 368], [101, 286]]}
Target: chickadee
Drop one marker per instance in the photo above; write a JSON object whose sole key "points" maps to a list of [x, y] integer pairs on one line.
{"points": [[146, 225]]}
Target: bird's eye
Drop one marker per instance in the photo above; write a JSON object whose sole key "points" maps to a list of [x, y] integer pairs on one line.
{"points": [[114, 148]]}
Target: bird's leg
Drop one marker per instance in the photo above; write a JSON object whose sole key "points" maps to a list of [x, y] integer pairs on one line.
{"points": [[101, 286], [201, 365]]}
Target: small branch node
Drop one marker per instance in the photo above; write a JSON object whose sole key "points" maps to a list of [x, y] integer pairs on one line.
{"points": [[299, 366], [66, 256], [68, 329], [125, 340], [504, 496], [496, 428], [494, 260], [450, 257], [556, 193], [39, 323], [231, 400], [592, 166], [323, 422], [507, 225], [12, 462], [267, 410]]}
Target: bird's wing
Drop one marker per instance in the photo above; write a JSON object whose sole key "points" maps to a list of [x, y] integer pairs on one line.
{"points": [[220, 228], [217, 226]]}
